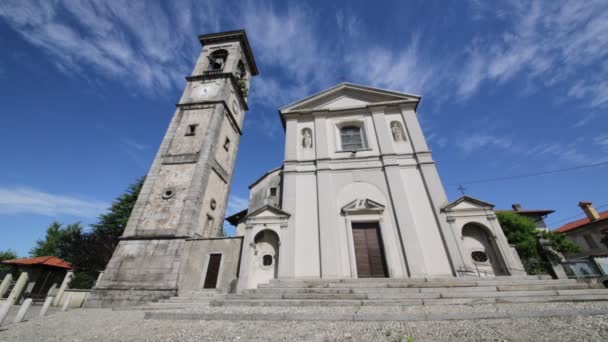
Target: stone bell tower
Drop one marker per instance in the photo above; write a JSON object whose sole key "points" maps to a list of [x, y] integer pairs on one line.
{"points": [[186, 191]]}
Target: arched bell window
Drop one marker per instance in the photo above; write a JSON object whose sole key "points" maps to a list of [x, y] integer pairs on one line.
{"points": [[217, 60], [352, 138], [240, 70]]}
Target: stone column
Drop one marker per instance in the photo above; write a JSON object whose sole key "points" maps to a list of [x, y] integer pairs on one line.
{"points": [[66, 304], [329, 242], [245, 267], [45, 307], [4, 309], [18, 288], [434, 188], [64, 285], [287, 262], [405, 223], [6, 283], [23, 310], [384, 136]]}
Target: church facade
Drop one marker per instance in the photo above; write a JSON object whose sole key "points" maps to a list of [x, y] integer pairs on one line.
{"points": [[358, 195]]}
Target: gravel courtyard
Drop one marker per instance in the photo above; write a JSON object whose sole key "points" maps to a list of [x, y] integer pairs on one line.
{"points": [[108, 325]]}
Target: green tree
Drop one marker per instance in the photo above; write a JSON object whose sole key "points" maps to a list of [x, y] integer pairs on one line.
{"points": [[112, 224], [90, 251], [522, 233], [6, 255], [48, 245]]}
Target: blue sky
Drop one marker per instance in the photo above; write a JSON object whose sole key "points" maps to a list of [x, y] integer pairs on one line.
{"points": [[509, 88]]}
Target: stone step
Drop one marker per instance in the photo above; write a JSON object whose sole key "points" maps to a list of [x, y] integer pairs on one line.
{"points": [[413, 302], [543, 287], [427, 279], [366, 290], [199, 316], [446, 293], [406, 284]]}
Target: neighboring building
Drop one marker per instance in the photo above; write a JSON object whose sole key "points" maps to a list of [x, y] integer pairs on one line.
{"points": [[43, 272], [358, 195], [536, 215], [587, 232]]}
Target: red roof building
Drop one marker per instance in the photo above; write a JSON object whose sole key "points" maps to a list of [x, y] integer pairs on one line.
{"points": [[581, 223], [50, 261], [588, 233]]}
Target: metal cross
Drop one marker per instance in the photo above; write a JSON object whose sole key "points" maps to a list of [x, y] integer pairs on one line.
{"points": [[461, 189]]}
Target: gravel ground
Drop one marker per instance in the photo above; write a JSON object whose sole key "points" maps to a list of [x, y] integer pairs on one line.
{"points": [[107, 325]]}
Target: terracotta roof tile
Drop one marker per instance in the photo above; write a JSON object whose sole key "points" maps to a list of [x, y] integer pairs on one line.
{"points": [[51, 261], [581, 223]]}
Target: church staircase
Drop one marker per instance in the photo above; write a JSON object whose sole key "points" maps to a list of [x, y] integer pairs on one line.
{"points": [[429, 291], [389, 299]]}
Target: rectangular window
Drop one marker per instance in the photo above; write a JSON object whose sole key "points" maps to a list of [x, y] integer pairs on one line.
{"points": [[352, 138], [273, 192], [590, 242], [191, 130], [227, 144]]}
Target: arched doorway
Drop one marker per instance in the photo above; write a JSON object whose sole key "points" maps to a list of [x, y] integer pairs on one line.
{"points": [[266, 256], [481, 250]]}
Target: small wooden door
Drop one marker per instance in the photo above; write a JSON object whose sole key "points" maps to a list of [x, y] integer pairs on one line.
{"points": [[369, 253], [213, 270]]}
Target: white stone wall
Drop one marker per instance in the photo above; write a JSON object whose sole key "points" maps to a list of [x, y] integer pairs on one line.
{"points": [[338, 177]]}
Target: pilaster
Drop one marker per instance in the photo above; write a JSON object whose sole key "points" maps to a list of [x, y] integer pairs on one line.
{"points": [[434, 188]]}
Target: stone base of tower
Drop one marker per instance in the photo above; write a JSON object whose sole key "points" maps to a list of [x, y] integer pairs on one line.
{"points": [[147, 270], [140, 270]]}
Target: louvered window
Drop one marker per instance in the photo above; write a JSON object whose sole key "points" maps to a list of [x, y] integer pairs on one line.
{"points": [[352, 138]]}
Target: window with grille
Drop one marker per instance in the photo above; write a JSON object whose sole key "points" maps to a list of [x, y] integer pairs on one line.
{"points": [[479, 256], [267, 260], [352, 138]]}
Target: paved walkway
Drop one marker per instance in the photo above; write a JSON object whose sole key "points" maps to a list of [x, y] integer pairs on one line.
{"points": [[108, 325]]}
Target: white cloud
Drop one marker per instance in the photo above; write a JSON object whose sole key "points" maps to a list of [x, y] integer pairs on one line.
{"points": [[31, 201], [568, 153], [473, 142], [601, 140], [236, 203], [547, 42], [403, 69], [133, 42]]}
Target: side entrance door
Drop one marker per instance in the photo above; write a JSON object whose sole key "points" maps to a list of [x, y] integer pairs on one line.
{"points": [[213, 270], [369, 253]]}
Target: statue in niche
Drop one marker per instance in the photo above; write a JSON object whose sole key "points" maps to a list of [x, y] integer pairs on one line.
{"points": [[397, 131], [306, 138]]}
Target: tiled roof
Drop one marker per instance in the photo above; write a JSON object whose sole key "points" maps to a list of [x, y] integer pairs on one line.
{"points": [[51, 261], [581, 223]]}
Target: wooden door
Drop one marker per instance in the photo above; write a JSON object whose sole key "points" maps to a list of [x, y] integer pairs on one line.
{"points": [[213, 270], [369, 253]]}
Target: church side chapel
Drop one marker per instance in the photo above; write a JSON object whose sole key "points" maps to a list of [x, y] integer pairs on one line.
{"points": [[357, 196]]}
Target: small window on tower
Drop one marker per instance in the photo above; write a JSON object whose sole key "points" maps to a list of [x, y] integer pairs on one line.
{"points": [[273, 192], [227, 144], [191, 130]]}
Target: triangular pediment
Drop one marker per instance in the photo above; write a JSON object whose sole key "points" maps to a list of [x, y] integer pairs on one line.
{"points": [[348, 96], [362, 206], [268, 211], [468, 203]]}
